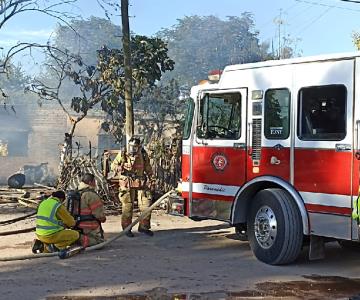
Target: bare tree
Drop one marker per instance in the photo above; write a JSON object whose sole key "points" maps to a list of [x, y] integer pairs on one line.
{"points": [[58, 9], [66, 66], [55, 9]]}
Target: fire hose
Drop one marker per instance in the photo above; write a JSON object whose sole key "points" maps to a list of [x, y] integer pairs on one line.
{"points": [[17, 231], [98, 246], [7, 222]]}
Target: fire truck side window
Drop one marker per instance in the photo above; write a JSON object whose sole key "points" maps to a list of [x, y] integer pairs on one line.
{"points": [[322, 113], [188, 119], [277, 114], [220, 116]]}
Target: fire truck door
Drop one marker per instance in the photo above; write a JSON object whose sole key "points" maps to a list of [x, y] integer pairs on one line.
{"points": [[269, 134], [324, 146], [218, 153]]}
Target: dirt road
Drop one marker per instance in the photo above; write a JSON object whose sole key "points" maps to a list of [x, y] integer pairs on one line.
{"points": [[184, 260]]}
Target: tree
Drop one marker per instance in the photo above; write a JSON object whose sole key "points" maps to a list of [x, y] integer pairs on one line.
{"points": [[129, 121], [55, 9], [149, 60], [84, 77], [161, 108], [101, 86], [58, 9], [200, 44], [84, 37], [13, 84], [356, 39]]}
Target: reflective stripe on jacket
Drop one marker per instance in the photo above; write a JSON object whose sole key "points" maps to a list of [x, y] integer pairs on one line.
{"points": [[88, 212], [46, 220], [91, 206]]}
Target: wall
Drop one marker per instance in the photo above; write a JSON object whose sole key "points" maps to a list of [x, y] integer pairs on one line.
{"points": [[46, 127]]}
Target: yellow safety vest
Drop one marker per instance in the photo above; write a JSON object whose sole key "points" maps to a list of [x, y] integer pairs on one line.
{"points": [[46, 220]]}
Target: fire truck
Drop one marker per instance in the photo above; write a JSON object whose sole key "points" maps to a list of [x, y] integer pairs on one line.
{"points": [[273, 149]]}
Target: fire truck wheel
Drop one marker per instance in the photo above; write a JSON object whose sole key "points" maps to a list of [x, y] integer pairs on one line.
{"points": [[275, 227]]}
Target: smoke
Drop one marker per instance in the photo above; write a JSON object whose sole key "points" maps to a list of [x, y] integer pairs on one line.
{"points": [[15, 129]]}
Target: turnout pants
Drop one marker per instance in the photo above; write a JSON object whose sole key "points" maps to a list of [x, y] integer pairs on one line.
{"points": [[91, 237], [127, 198], [60, 239]]}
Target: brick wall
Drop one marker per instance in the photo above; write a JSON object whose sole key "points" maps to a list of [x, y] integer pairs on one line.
{"points": [[46, 126]]}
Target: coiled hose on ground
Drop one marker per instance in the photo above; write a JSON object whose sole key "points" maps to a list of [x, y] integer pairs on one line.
{"points": [[98, 246]]}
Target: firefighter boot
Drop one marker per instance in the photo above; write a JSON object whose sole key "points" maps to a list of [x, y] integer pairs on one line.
{"points": [[129, 234], [146, 231]]}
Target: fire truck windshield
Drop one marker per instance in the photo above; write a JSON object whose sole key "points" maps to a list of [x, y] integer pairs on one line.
{"points": [[220, 116]]}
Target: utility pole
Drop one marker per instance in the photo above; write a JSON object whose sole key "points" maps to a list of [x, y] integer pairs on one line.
{"points": [[129, 113]]}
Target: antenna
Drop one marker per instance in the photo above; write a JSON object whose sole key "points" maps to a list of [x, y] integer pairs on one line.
{"points": [[279, 21]]}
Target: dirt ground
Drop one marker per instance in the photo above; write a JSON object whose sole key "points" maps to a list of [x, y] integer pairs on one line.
{"points": [[183, 260]]}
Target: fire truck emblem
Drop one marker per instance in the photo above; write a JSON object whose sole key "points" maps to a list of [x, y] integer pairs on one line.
{"points": [[219, 161]]}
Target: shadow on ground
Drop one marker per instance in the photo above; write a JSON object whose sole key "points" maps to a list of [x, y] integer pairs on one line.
{"points": [[312, 287]]}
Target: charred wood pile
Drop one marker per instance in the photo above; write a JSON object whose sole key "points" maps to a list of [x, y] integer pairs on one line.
{"points": [[70, 177]]}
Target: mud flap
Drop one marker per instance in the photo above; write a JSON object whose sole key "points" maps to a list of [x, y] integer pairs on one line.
{"points": [[317, 248]]}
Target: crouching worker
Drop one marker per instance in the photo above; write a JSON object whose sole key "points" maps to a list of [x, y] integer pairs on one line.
{"points": [[92, 212], [52, 223]]}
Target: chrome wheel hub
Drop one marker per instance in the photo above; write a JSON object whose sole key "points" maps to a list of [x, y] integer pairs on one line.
{"points": [[265, 227]]}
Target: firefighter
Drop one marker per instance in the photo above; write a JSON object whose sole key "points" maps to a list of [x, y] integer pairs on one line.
{"points": [[51, 220], [133, 168], [92, 212]]}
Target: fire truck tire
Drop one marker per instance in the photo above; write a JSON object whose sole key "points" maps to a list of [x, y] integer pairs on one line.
{"points": [[275, 227]]}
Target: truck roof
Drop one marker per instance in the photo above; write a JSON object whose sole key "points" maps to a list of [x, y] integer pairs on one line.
{"points": [[297, 60]]}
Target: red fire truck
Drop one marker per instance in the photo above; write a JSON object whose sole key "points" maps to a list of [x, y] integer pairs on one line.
{"points": [[273, 149]]}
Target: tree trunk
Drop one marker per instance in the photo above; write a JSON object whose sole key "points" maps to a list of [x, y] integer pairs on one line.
{"points": [[129, 121]]}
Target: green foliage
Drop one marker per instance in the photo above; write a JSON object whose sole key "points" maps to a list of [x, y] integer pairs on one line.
{"points": [[12, 85], [149, 60], [161, 104], [200, 44], [356, 39]]}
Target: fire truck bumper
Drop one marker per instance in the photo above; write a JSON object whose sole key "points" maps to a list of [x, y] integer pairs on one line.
{"points": [[176, 205]]}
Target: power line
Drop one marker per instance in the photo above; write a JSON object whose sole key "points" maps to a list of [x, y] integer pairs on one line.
{"points": [[332, 6], [353, 1], [313, 21]]}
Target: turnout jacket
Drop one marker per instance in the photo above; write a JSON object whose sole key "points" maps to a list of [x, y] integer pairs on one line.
{"points": [[132, 169], [91, 205]]}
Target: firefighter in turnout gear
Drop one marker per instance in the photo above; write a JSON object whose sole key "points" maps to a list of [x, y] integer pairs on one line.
{"points": [[51, 220], [92, 212], [133, 168]]}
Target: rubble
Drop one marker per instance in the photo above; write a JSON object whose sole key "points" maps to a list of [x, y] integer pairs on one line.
{"points": [[70, 178]]}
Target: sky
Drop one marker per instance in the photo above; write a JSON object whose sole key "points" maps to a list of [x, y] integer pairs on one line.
{"points": [[318, 26], [315, 26]]}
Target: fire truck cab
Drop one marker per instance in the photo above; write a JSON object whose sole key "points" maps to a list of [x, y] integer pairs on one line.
{"points": [[273, 149]]}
